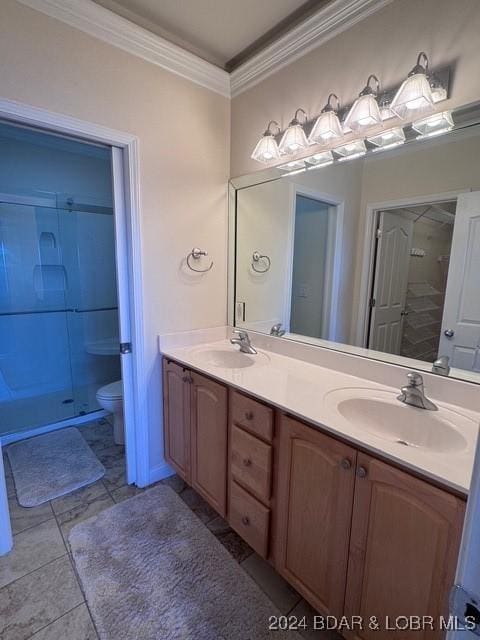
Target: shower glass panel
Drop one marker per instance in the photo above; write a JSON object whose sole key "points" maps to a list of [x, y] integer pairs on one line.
{"points": [[58, 313]]}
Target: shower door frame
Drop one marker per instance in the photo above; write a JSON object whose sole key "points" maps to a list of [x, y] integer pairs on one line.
{"points": [[126, 186]]}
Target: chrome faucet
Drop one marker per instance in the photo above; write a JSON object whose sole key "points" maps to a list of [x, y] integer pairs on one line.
{"points": [[413, 393], [441, 366], [243, 341], [277, 330]]}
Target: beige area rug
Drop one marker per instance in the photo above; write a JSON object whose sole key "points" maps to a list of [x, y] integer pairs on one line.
{"points": [[152, 571], [51, 465]]}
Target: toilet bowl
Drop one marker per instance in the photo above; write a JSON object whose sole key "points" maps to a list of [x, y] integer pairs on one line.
{"points": [[110, 398]]}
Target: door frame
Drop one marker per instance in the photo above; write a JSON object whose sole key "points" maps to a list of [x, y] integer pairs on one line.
{"points": [[334, 255], [369, 248], [128, 226]]}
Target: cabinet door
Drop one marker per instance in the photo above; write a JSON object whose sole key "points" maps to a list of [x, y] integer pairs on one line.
{"points": [[176, 411], [313, 504], [209, 441], [403, 549]]}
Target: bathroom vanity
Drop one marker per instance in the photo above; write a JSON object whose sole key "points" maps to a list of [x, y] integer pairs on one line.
{"points": [[360, 526]]}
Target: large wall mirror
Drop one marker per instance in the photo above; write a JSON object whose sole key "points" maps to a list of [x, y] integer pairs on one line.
{"points": [[379, 255]]}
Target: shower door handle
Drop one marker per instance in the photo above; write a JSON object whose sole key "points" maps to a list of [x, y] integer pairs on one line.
{"points": [[125, 347]]}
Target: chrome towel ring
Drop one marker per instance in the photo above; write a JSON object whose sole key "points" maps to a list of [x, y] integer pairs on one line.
{"points": [[256, 262], [196, 254]]}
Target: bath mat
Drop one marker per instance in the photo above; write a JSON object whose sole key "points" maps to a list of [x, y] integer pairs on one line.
{"points": [[48, 466], [151, 570]]}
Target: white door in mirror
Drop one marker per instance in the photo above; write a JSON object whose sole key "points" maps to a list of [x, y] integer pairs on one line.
{"points": [[391, 273], [460, 335]]}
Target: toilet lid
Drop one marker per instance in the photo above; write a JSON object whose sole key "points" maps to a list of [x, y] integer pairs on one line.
{"points": [[112, 390]]}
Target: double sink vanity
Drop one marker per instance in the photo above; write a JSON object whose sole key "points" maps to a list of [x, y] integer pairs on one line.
{"points": [[356, 498]]}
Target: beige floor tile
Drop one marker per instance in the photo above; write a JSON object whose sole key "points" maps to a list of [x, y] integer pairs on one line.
{"points": [[32, 549], [304, 611], [80, 498], [70, 518], [115, 476], [218, 526], [128, 491], [34, 601], [175, 482], [277, 589], [198, 505], [74, 625], [22, 518]]}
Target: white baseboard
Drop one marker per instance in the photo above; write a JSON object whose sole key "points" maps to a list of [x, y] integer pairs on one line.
{"points": [[159, 473]]}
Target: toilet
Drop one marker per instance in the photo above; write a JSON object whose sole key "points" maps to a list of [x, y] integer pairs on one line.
{"points": [[110, 398]]}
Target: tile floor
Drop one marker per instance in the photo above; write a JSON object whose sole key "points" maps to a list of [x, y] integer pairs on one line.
{"points": [[40, 596]]}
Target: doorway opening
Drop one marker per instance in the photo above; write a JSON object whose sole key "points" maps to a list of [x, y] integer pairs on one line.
{"points": [[410, 266], [311, 305]]}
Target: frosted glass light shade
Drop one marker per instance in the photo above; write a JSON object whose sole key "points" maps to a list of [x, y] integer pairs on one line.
{"points": [[266, 149], [353, 149], [413, 97], [388, 139], [364, 113], [319, 159], [434, 125], [293, 140], [326, 128]]}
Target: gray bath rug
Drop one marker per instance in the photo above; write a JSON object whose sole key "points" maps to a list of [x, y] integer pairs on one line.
{"points": [[151, 570], [48, 466]]}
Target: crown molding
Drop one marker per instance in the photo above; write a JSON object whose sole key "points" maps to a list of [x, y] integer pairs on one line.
{"points": [[106, 25], [335, 17], [97, 21]]}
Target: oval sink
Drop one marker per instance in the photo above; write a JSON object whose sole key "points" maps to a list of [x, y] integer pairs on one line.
{"points": [[229, 357], [381, 414]]}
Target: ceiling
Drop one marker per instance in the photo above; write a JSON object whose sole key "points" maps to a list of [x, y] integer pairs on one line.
{"points": [[223, 32]]}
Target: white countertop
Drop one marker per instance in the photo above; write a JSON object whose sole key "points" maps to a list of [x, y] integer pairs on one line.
{"points": [[301, 388]]}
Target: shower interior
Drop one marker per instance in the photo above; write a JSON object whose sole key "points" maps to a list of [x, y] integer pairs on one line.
{"points": [[58, 294]]}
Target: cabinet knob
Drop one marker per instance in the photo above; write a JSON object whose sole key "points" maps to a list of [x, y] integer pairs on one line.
{"points": [[247, 462], [346, 464], [362, 472], [249, 415], [246, 520]]}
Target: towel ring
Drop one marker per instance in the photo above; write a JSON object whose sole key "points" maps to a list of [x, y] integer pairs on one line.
{"points": [[256, 257], [196, 254]]}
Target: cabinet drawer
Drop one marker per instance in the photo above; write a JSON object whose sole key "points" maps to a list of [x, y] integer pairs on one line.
{"points": [[251, 463], [252, 415], [249, 518]]}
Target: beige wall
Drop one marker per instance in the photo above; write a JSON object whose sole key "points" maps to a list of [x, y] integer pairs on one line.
{"points": [[386, 44], [183, 131]]}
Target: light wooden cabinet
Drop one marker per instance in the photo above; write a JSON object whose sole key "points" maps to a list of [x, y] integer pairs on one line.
{"points": [[176, 412], [313, 503], [195, 431], [209, 441], [403, 549], [354, 535]]}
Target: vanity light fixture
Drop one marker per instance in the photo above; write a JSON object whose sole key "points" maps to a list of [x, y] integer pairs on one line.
{"points": [[388, 139], [385, 107], [434, 125], [319, 160], [266, 149], [327, 126], [351, 150], [295, 166], [365, 111], [415, 93], [294, 138], [439, 92]]}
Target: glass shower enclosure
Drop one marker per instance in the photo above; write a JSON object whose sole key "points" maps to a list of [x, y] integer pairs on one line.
{"points": [[58, 312]]}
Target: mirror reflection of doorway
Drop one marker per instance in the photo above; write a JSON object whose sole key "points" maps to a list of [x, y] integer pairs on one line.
{"points": [[314, 235], [412, 254]]}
